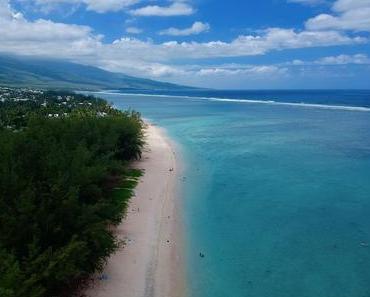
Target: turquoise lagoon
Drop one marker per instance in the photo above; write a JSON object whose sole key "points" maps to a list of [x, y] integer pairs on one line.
{"points": [[277, 197]]}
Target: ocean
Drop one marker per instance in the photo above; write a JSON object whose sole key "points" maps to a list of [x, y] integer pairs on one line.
{"points": [[277, 189]]}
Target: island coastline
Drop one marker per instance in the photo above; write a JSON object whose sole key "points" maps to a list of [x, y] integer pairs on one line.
{"points": [[151, 262]]}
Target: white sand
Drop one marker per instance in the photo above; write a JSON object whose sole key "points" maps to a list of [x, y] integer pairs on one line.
{"points": [[150, 265]]}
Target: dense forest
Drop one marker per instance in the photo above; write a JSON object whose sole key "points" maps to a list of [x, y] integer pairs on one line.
{"points": [[64, 181]]}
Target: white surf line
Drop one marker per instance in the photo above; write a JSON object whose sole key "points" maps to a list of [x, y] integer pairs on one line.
{"points": [[249, 101], [323, 106]]}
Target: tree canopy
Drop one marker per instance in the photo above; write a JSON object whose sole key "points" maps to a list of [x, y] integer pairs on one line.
{"points": [[63, 181]]}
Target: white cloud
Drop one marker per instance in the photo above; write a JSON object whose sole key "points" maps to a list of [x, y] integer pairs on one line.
{"points": [[43, 37], [217, 75], [156, 60], [175, 9], [357, 59], [296, 62], [245, 70], [232, 76], [271, 40], [196, 28], [79, 43], [346, 5], [14, 27], [100, 6], [7, 13], [348, 15], [360, 59], [134, 30]]}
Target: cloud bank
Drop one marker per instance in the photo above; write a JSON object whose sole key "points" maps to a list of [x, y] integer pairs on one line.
{"points": [[172, 60], [347, 15]]}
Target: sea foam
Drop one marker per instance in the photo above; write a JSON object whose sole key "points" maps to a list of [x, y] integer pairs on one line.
{"points": [[249, 101]]}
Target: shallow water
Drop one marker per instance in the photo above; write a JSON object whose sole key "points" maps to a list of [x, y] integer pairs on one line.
{"points": [[277, 197]]}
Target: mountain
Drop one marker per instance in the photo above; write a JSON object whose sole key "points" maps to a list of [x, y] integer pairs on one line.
{"points": [[25, 72]]}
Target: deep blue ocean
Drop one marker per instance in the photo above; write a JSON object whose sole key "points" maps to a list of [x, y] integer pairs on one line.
{"points": [[276, 195]]}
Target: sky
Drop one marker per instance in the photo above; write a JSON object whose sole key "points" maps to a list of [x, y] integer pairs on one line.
{"points": [[233, 44]]}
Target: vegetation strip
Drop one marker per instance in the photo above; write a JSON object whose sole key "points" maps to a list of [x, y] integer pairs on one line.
{"points": [[64, 180]]}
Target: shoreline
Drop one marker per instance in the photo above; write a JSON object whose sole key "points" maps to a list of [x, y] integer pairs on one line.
{"points": [[151, 262]]}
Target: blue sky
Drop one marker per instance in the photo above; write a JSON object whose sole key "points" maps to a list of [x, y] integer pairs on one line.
{"points": [[235, 44]]}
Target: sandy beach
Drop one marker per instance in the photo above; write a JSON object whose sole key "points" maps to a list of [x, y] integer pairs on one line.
{"points": [[150, 264]]}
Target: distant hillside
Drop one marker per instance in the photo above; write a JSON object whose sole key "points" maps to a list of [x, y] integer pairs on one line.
{"points": [[20, 71]]}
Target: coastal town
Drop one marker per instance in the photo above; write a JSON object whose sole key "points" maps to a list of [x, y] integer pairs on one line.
{"points": [[51, 104]]}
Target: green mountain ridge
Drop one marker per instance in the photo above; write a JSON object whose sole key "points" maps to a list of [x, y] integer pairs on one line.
{"points": [[31, 72]]}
